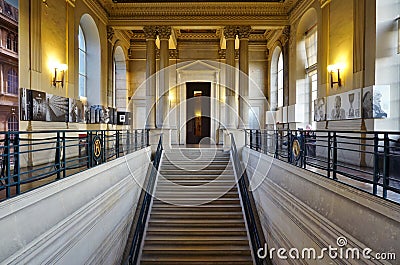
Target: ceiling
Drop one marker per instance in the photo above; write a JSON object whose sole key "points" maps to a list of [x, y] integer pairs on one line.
{"points": [[199, 20]]}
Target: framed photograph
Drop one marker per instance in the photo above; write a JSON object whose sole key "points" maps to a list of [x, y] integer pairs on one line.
{"points": [[25, 104], [376, 102], [57, 108], [39, 105], [320, 109], [344, 106]]}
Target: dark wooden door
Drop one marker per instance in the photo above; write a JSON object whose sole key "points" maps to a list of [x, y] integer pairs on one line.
{"points": [[198, 111]]}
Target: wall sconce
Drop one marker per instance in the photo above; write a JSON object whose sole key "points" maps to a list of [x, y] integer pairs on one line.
{"points": [[333, 68], [59, 72]]}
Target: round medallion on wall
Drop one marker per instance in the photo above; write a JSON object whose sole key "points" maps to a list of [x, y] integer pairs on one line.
{"points": [[96, 143]]}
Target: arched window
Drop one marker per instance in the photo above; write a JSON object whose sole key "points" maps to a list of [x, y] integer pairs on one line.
{"points": [[120, 91], [306, 68], [311, 45], [12, 82], [277, 79], [82, 63], [280, 80], [89, 61]]}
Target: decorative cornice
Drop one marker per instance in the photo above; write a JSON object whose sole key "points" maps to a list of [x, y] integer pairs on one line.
{"points": [[244, 32]]}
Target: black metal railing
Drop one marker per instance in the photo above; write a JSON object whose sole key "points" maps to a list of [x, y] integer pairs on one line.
{"points": [[144, 204], [369, 161], [32, 159], [252, 219]]}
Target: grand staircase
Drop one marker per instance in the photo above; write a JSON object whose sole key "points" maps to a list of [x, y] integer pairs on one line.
{"points": [[196, 217]]}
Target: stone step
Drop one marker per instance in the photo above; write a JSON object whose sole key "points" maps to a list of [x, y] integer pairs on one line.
{"points": [[196, 201]]}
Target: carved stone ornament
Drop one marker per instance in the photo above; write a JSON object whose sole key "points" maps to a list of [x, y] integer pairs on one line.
{"points": [[110, 33], [164, 32], [244, 32], [285, 35], [222, 54], [150, 32], [173, 54], [230, 32]]}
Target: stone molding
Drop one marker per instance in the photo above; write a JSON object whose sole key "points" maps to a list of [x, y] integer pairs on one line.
{"points": [[173, 54], [294, 203]]}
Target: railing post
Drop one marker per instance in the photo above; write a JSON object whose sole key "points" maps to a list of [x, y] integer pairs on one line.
{"points": [[17, 168], [334, 156], [64, 156], [89, 137], [386, 165], [105, 142], [58, 154], [116, 143], [143, 138], [251, 139], [147, 138], [376, 164], [304, 147], [8, 165], [329, 155], [265, 142], [289, 146], [276, 144], [136, 140]]}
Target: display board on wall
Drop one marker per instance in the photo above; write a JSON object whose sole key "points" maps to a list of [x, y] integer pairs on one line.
{"points": [[376, 102], [320, 109], [344, 106], [56, 108]]}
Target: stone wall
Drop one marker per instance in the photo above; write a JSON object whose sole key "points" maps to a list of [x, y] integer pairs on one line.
{"points": [[82, 219], [300, 209]]}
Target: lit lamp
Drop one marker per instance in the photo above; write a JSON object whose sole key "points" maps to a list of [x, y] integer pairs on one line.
{"points": [[59, 72], [336, 68]]}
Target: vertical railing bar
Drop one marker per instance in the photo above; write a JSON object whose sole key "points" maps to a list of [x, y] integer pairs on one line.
{"points": [[64, 156], [376, 164], [335, 156], [385, 166], [17, 166]]}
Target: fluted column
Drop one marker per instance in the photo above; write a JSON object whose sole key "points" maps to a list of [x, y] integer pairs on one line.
{"points": [[150, 33], [164, 32], [230, 108], [244, 34]]}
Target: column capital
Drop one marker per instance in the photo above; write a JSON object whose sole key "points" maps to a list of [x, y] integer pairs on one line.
{"points": [[285, 35], [164, 32], [244, 32], [230, 32], [150, 32]]}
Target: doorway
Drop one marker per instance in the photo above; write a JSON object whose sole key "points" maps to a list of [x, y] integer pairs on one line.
{"points": [[198, 111]]}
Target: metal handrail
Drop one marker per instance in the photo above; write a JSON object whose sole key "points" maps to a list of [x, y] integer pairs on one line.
{"points": [[146, 199], [29, 157], [252, 219], [374, 156]]}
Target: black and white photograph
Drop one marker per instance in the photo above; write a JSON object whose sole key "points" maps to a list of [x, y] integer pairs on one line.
{"points": [[39, 105], [76, 111], [344, 106], [123, 118], [376, 102], [320, 109], [57, 108], [25, 104]]}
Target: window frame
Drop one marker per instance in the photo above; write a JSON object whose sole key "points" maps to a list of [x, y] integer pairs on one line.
{"points": [[12, 81], [82, 55]]}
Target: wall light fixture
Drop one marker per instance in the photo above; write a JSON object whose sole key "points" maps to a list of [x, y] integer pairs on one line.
{"points": [[59, 72], [336, 68]]}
